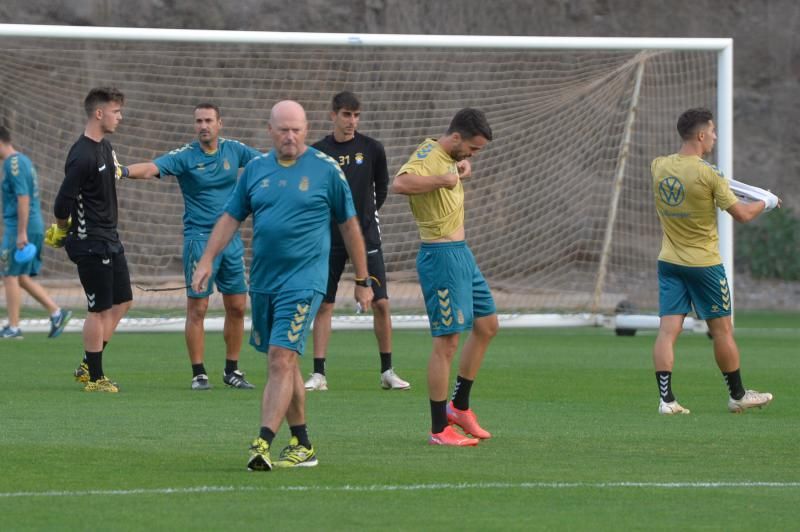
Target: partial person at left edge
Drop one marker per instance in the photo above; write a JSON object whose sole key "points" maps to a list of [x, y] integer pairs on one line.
{"points": [[86, 216], [22, 220]]}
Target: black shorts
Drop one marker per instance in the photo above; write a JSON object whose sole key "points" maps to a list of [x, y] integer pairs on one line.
{"points": [[375, 267], [103, 271]]}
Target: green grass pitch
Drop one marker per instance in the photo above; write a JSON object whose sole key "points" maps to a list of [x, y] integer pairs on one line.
{"points": [[577, 443]]}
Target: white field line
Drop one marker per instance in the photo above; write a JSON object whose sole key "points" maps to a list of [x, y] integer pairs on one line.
{"points": [[406, 487]]}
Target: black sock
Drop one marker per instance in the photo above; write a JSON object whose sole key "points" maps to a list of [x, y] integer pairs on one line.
{"points": [[461, 393], [95, 362], [301, 433], [266, 434], [438, 416], [734, 381], [386, 361], [319, 365], [231, 366], [198, 369], [664, 380], [86, 359]]}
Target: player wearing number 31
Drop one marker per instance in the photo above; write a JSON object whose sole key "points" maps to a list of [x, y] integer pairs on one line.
{"points": [[688, 191], [292, 192]]}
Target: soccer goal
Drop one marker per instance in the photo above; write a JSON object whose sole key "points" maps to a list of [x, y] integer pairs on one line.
{"points": [[559, 209]]}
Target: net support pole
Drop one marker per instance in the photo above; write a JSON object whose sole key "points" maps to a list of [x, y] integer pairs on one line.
{"points": [[624, 152], [725, 154]]}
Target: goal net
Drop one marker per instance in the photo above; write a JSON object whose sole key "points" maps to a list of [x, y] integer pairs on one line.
{"points": [[559, 210]]}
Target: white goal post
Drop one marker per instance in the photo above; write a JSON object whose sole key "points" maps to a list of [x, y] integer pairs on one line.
{"points": [[559, 211]]}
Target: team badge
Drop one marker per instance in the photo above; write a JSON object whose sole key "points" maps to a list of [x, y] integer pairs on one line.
{"points": [[256, 338], [359, 158], [303, 184], [460, 317], [226, 165]]}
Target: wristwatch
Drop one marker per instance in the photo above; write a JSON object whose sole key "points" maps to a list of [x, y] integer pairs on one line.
{"points": [[367, 282]]}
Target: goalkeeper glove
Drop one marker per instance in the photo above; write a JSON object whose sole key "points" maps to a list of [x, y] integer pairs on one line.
{"points": [[122, 171], [55, 235]]}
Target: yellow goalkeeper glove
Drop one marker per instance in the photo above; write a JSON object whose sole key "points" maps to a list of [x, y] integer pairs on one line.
{"points": [[55, 235], [119, 170]]}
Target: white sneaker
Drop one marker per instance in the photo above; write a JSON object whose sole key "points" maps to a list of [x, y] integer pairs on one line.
{"points": [[750, 399], [200, 382], [669, 409], [317, 382], [390, 381]]}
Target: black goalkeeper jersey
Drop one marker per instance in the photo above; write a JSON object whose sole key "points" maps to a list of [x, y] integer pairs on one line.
{"points": [[89, 191], [363, 161]]}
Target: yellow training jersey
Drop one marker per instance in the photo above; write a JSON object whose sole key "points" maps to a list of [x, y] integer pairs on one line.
{"points": [[687, 189], [440, 212]]}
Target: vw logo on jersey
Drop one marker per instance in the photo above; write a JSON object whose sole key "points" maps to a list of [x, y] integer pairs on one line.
{"points": [[671, 191], [359, 158], [424, 151]]}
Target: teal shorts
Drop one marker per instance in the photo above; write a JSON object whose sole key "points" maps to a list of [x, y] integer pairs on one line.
{"points": [[453, 286], [703, 287], [227, 270], [283, 319], [12, 268]]}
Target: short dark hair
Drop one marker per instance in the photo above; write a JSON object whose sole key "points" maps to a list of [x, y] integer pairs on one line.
{"points": [[470, 123], [207, 105], [692, 119], [5, 135], [100, 96], [345, 100]]}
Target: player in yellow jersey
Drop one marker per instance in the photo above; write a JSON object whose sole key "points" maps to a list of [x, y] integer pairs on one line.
{"points": [[688, 191], [457, 297]]}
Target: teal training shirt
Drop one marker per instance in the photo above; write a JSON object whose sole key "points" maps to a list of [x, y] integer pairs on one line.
{"points": [[206, 180], [292, 209], [20, 179]]}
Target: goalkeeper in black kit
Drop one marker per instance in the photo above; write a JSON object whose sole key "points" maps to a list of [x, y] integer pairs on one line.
{"points": [[86, 226], [363, 161]]}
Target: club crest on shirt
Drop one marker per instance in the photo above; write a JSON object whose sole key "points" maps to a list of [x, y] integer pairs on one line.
{"points": [[226, 165], [359, 158], [303, 184]]}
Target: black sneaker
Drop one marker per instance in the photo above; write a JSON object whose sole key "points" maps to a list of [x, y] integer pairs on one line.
{"points": [[235, 379]]}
